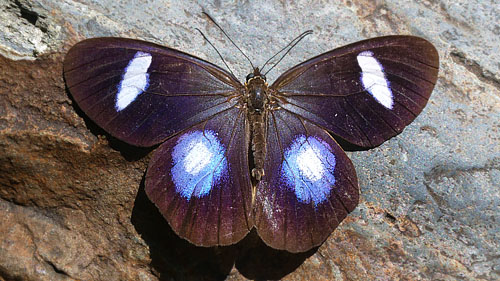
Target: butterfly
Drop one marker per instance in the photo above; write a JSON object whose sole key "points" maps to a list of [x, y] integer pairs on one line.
{"points": [[236, 156]]}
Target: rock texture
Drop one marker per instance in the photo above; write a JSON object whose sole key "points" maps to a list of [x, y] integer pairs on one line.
{"points": [[72, 202]]}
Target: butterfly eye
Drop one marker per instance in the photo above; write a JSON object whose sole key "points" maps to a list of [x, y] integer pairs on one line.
{"points": [[250, 76], [263, 77]]}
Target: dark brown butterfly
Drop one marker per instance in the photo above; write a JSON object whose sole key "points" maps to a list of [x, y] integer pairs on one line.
{"points": [[237, 156]]}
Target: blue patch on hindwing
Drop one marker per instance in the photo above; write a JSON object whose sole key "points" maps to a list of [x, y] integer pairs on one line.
{"points": [[199, 162], [308, 169]]}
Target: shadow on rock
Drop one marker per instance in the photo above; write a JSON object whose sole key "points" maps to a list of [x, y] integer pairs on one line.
{"points": [[257, 261], [175, 258]]}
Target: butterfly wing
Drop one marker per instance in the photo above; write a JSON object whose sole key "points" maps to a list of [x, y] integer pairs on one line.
{"points": [[141, 92], [200, 180], [365, 92], [309, 185]]}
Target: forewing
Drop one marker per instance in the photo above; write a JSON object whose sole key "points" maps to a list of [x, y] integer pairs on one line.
{"points": [[308, 188], [200, 181], [143, 93], [366, 92]]}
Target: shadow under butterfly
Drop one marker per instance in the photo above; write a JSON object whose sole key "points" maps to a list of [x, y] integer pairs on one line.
{"points": [[236, 157]]}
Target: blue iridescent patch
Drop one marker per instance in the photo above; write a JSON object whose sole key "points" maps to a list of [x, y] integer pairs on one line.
{"points": [[308, 168], [199, 162]]}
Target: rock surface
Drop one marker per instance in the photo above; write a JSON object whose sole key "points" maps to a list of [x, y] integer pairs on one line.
{"points": [[72, 201]]}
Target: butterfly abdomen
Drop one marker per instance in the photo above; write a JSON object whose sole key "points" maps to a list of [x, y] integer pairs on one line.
{"points": [[257, 125], [257, 100]]}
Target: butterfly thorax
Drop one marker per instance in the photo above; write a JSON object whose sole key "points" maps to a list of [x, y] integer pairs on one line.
{"points": [[256, 89], [257, 100]]}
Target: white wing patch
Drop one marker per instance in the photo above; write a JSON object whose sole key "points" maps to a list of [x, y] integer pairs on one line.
{"points": [[135, 80], [199, 163], [374, 80], [308, 168], [309, 164], [198, 157]]}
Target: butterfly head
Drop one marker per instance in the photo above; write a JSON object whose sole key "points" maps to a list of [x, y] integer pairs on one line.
{"points": [[255, 74]]}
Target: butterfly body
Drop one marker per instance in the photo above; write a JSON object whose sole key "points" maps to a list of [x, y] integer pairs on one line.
{"points": [[257, 103], [233, 156]]}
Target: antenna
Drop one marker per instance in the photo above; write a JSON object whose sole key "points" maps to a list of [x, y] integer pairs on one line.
{"points": [[292, 43], [303, 34], [227, 36], [224, 61]]}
